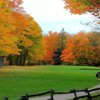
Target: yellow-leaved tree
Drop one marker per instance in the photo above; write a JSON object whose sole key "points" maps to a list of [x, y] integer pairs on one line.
{"points": [[17, 29]]}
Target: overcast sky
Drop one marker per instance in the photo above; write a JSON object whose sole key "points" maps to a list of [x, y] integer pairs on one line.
{"points": [[51, 16]]}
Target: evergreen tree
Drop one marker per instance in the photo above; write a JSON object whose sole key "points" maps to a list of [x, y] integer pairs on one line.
{"points": [[62, 38], [56, 58]]}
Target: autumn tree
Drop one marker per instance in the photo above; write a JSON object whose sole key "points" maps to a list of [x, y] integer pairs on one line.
{"points": [[54, 44], [7, 29], [83, 6], [78, 50], [62, 39], [94, 38], [50, 43], [30, 43], [36, 50], [68, 54], [20, 28]]}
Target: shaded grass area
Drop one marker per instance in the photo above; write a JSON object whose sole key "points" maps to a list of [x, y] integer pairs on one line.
{"points": [[17, 81]]}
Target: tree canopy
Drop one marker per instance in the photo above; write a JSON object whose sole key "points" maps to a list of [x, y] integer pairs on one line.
{"points": [[83, 6], [18, 31]]}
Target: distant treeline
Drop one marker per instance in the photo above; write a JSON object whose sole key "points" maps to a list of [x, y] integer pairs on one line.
{"points": [[60, 48]]}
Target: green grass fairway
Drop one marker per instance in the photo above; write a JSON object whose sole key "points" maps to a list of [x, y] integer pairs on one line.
{"points": [[17, 81]]}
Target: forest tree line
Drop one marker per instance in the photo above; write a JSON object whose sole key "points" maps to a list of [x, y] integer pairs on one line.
{"points": [[74, 49], [23, 43]]}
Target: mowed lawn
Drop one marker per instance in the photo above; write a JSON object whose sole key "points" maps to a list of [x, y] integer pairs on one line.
{"points": [[17, 81]]}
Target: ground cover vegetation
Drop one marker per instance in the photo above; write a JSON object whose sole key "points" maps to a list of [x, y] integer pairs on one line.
{"points": [[17, 81]]}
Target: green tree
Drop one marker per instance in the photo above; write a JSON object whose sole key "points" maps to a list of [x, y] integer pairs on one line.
{"points": [[62, 39]]}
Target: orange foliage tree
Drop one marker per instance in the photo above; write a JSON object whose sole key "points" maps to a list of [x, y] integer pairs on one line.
{"points": [[94, 38], [50, 42], [78, 50], [83, 6]]}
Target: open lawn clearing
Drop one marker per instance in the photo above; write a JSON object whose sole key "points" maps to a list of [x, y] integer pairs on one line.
{"points": [[17, 81]]}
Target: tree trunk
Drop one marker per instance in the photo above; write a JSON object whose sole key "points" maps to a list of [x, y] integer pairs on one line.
{"points": [[1, 61]]}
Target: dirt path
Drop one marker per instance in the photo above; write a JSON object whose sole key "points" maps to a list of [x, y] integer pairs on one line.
{"points": [[62, 96]]}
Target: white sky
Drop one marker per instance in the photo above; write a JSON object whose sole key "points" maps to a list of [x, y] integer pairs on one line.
{"points": [[51, 16]]}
